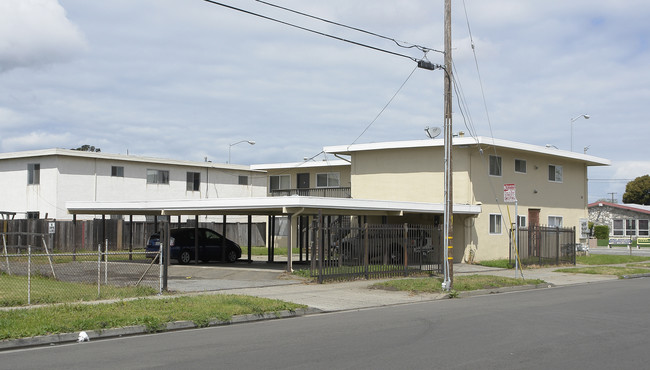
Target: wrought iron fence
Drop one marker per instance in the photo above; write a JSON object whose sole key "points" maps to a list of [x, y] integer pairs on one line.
{"points": [[545, 245], [34, 274], [341, 192], [372, 251]]}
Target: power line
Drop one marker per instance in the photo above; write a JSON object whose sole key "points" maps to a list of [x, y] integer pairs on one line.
{"points": [[310, 30], [402, 44]]}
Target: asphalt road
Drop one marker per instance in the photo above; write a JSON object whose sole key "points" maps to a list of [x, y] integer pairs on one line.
{"points": [[594, 326]]}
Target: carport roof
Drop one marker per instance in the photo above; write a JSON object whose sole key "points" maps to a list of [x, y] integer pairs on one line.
{"points": [[266, 206]]}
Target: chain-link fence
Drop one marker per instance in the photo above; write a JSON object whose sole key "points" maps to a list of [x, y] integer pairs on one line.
{"points": [[33, 274]]}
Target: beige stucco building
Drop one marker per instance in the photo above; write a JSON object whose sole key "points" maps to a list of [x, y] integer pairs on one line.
{"points": [[551, 185]]}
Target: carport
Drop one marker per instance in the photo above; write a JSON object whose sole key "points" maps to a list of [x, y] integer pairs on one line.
{"points": [[288, 206]]}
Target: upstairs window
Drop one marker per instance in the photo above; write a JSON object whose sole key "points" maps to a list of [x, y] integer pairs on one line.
{"points": [[520, 165], [280, 182], [328, 180], [554, 173], [157, 176], [495, 165], [33, 173], [243, 180], [117, 171], [193, 181]]}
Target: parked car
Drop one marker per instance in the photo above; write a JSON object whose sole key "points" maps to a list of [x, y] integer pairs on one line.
{"points": [[384, 246], [182, 246]]}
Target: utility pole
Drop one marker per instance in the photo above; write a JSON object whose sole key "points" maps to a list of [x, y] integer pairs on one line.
{"points": [[448, 222], [612, 194]]}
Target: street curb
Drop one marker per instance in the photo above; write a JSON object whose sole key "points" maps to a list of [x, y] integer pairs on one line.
{"points": [[508, 289], [635, 276], [141, 329]]}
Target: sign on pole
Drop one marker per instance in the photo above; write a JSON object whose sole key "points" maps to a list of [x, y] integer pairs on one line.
{"points": [[509, 193], [51, 226]]}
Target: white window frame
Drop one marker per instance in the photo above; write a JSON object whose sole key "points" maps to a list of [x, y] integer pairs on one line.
{"points": [[557, 172], [496, 222], [553, 221], [630, 227], [33, 173], [117, 171], [525, 165], [158, 177], [193, 181], [332, 179], [284, 182], [644, 230], [618, 227], [522, 221], [498, 166]]}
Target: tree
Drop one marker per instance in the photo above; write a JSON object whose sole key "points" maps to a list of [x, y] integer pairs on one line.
{"points": [[88, 148], [637, 191]]}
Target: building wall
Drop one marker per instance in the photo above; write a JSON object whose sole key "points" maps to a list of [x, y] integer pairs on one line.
{"points": [[605, 215], [70, 178], [417, 175], [344, 173]]}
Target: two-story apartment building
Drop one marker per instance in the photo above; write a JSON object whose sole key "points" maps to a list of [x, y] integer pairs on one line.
{"points": [[37, 184], [551, 185]]}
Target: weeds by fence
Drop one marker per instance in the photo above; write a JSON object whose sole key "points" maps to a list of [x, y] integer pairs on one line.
{"points": [[36, 275]]}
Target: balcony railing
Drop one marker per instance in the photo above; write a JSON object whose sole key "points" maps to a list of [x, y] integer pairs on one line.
{"points": [[343, 192]]}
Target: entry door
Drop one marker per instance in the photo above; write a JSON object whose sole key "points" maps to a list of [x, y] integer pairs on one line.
{"points": [[534, 235], [303, 183]]}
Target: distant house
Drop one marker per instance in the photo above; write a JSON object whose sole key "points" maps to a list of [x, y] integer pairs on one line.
{"points": [[37, 184], [623, 219], [551, 186]]}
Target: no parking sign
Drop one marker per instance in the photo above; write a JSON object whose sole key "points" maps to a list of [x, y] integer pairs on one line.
{"points": [[509, 193]]}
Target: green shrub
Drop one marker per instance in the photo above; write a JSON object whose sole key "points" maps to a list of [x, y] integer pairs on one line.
{"points": [[601, 232]]}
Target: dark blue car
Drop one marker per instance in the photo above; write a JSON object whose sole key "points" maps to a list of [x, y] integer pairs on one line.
{"points": [[182, 246]]}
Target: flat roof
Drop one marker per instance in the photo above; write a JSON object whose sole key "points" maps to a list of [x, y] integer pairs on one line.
{"points": [[122, 157], [305, 164], [469, 141], [267, 206]]}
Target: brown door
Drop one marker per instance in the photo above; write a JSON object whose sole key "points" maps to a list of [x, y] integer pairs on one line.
{"points": [[534, 235], [303, 183]]}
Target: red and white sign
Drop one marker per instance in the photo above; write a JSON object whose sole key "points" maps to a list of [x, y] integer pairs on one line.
{"points": [[509, 193]]}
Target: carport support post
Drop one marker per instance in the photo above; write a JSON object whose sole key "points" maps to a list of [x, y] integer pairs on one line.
{"points": [[166, 254], [250, 238], [223, 240], [196, 239], [289, 252]]}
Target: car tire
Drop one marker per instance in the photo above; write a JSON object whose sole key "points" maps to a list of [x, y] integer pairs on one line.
{"points": [[185, 257], [231, 256]]}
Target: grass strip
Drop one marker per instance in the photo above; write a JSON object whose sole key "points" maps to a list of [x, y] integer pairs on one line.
{"points": [[13, 291], [605, 270], [461, 283], [604, 259], [152, 313]]}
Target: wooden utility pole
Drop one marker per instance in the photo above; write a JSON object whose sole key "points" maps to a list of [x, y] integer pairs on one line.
{"points": [[448, 223]]}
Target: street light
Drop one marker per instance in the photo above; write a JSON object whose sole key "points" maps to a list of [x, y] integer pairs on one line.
{"points": [[251, 142], [586, 116]]}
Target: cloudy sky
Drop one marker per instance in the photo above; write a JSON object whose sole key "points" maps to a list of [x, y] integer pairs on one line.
{"points": [[184, 79]]}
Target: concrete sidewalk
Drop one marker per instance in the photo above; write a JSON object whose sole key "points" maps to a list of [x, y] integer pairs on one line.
{"points": [[358, 294]]}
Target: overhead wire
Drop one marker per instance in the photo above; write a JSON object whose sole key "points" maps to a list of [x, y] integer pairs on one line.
{"points": [[402, 44], [310, 30]]}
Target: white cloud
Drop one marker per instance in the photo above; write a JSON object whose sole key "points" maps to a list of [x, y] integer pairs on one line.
{"points": [[36, 33]]}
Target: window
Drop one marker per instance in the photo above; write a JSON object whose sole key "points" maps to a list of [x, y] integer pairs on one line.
{"points": [[157, 177], [328, 180], [644, 228], [495, 224], [555, 221], [522, 221], [630, 227], [280, 182], [554, 173], [117, 171], [243, 180], [520, 165], [193, 181], [618, 227], [495, 165], [33, 173], [33, 215]]}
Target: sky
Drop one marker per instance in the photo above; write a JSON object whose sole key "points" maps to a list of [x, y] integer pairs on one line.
{"points": [[187, 79]]}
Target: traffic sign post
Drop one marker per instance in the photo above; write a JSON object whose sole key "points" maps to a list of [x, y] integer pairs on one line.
{"points": [[510, 196]]}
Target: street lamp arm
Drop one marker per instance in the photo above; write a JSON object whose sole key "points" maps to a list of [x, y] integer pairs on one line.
{"points": [[251, 142]]}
